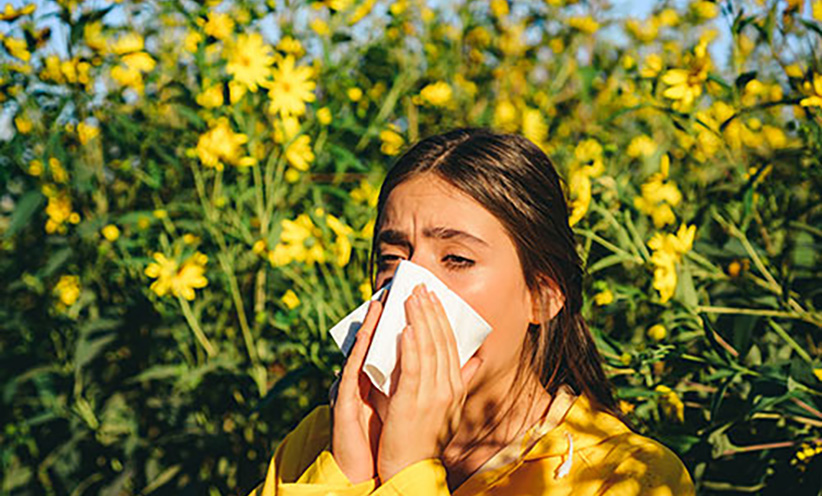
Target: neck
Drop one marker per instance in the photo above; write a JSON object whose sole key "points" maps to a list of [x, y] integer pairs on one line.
{"points": [[494, 415]]}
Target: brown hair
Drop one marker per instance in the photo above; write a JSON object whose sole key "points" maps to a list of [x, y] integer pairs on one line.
{"points": [[514, 180]]}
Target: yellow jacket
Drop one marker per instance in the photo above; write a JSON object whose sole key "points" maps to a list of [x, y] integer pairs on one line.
{"points": [[605, 458]]}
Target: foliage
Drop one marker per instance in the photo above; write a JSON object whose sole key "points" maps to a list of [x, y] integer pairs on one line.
{"points": [[189, 191]]}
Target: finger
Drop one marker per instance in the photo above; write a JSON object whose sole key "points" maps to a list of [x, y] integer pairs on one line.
{"points": [[422, 335], [410, 363], [444, 377], [450, 339], [353, 364], [470, 370]]}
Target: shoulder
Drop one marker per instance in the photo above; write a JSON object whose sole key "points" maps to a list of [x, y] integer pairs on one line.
{"points": [[303, 444], [644, 466]]}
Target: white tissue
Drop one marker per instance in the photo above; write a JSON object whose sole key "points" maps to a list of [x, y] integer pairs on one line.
{"points": [[470, 330]]}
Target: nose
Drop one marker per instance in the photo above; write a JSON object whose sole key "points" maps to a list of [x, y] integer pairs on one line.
{"points": [[426, 260]]}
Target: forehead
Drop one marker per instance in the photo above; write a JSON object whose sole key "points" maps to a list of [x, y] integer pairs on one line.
{"points": [[429, 201]]}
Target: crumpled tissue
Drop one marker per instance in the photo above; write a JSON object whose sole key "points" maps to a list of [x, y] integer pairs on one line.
{"points": [[470, 330]]}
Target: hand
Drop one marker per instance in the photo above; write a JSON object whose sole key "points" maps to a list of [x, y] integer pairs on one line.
{"points": [[355, 426], [424, 410]]}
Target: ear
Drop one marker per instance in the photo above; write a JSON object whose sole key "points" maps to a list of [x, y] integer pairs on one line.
{"points": [[554, 298]]}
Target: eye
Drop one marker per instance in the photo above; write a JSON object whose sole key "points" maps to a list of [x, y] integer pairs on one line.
{"points": [[383, 260], [457, 262]]}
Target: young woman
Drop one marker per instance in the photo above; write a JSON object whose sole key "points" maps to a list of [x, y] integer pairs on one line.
{"points": [[532, 412]]}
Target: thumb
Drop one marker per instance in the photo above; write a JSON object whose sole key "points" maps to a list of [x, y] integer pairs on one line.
{"points": [[470, 369]]}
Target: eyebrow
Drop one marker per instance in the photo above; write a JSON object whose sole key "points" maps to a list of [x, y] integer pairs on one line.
{"points": [[396, 237]]}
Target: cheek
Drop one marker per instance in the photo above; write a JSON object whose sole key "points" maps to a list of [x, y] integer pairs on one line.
{"points": [[499, 299]]}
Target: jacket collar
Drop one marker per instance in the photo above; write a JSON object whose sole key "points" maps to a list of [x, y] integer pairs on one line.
{"points": [[586, 425]]}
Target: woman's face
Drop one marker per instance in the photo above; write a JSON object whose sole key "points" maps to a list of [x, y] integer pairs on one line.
{"points": [[433, 224]]}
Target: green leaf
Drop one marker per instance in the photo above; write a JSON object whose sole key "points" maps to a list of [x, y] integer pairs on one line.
{"points": [[23, 211], [56, 260]]}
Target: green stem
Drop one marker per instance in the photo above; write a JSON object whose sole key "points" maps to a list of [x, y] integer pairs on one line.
{"points": [[607, 244], [791, 342], [195, 327]]}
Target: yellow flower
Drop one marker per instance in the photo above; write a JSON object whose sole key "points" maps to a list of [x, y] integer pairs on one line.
{"points": [[641, 145], [59, 212], [505, 116], [705, 10], [35, 168], [87, 132], [367, 231], [220, 145], [192, 41], [179, 280], [587, 151], [392, 141], [814, 91], [579, 185], [299, 153], [17, 48], [533, 126], [324, 116], [93, 35], [58, 172], [361, 11], [398, 7], [249, 60], [365, 193], [111, 232], [285, 129], [626, 408], [292, 175], [657, 332], [816, 10], [219, 25], [190, 239], [365, 290], [128, 43], [211, 97], [437, 94], [651, 66], [342, 243], [67, 290], [668, 17], [643, 31], [135, 61], [23, 124], [139, 61], [586, 24], [291, 88], [290, 299], [658, 195], [667, 250], [818, 373], [604, 298], [299, 242], [354, 94], [685, 85], [319, 26], [130, 78], [499, 8], [9, 13], [671, 404], [290, 45], [806, 452]]}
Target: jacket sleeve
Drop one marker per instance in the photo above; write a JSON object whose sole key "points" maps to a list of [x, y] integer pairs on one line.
{"points": [[424, 477], [303, 466]]}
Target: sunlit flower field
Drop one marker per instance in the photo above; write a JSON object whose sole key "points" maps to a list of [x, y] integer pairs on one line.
{"points": [[189, 189]]}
